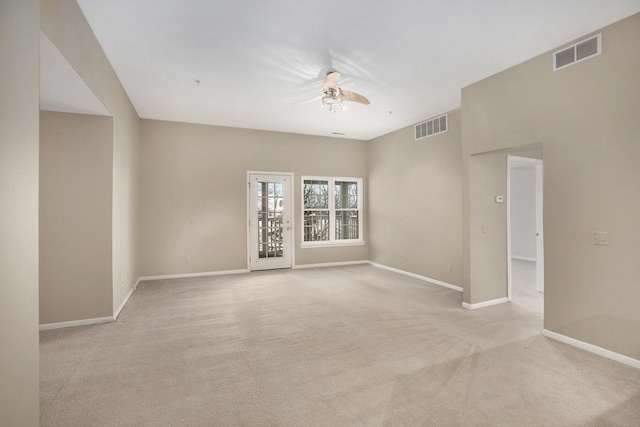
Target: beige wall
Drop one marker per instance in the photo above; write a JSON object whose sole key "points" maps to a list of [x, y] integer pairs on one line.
{"points": [[415, 202], [76, 187], [586, 118], [488, 227], [19, 103], [197, 171], [64, 24]]}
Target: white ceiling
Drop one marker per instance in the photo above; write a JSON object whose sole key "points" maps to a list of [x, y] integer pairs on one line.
{"points": [[254, 59]]}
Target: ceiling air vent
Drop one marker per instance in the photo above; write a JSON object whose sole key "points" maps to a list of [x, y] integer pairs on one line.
{"points": [[431, 127], [577, 52]]}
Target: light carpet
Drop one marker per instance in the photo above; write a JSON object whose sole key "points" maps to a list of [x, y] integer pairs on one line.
{"points": [[344, 346]]}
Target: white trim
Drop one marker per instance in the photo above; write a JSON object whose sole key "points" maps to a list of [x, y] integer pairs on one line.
{"points": [[86, 322], [187, 275], [510, 163], [540, 227], [417, 276], [523, 258], [331, 209], [291, 213], [72, 323], [328, 244], [126, 299], [329, 264], [634, 363], [485, 303]]}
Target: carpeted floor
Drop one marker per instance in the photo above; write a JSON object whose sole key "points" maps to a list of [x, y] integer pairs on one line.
{"points": [[347, 346]]}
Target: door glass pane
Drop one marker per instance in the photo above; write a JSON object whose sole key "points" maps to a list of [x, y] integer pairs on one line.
{"points": [[270, 219]]}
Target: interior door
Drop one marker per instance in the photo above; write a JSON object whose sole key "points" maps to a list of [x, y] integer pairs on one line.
{"points": [[270, 221], [537, 166]]}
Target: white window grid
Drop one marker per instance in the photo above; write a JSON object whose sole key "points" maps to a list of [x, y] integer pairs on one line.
{"points": [[332, 210]]}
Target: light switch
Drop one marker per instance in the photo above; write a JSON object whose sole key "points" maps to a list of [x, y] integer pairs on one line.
{"points": [[499, 199], [601, 238]]}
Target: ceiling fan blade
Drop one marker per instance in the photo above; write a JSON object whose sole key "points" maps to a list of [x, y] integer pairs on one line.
{"points": [[352, 96], [315, 98], [331, 81]]}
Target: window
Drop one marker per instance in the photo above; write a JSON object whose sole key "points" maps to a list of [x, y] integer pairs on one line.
{"points": [[332, 211]]}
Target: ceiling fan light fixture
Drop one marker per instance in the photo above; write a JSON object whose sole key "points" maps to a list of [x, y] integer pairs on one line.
{"points": [[333, 96], [332, 99]]}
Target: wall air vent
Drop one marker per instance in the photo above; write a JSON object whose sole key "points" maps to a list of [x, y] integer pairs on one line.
{"points": [[577, 52], [431, 127]]}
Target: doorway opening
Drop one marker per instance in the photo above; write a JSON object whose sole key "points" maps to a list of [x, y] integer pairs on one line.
{"points": [[525, 238]]}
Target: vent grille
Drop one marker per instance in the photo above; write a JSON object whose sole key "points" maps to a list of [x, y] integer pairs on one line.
{"points": [[431, 127], [577, 52]]}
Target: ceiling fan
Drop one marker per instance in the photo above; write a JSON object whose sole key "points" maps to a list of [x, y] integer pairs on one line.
{"points": [[332, 95]]}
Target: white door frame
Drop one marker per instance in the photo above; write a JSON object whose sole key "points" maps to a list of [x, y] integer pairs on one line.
{"points": [[539, 165], [288, 236]]}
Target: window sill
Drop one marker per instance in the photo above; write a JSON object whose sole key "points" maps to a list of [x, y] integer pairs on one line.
{"points": [[306, 245]]}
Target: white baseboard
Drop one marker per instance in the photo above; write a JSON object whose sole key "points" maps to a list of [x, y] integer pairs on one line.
{"points": [[329, 264], [485, 303], [417, 276], [187, 275], [86, 322], [124, 302], [523, 258], [96, 321], [635, 363], [72, 323]]}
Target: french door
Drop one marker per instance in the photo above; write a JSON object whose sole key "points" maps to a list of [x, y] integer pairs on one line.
{"points": [[270, 221]]}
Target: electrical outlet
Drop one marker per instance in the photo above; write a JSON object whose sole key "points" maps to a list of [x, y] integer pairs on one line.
{"points": [[601, 238]]}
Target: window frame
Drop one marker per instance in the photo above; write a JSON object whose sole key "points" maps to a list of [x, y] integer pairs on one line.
{"points": [[331, 180]]}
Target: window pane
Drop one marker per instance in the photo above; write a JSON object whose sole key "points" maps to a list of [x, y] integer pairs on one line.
{"points": [[346, 195], [316, 194], [316, 226], [346, 225]]}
